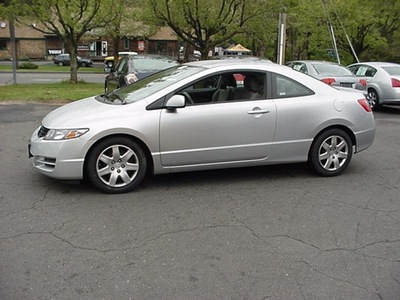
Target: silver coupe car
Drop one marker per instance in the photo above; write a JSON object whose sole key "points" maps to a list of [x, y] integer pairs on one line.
{"points": [[203, 115]]}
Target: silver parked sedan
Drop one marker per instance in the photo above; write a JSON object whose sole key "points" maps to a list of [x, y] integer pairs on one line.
{"points": [[203, 115], [331, 73], [383, 81]]}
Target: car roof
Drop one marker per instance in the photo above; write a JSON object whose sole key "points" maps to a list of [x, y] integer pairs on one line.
{"points": [[127, 53], [321, 62], [214, 63], [376, 63], [148, 55]]}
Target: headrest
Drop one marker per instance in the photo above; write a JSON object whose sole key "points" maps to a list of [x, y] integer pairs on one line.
{"points": [[252, 84], [228, 80]]}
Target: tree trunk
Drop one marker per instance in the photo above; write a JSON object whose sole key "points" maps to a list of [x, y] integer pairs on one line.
{"points": [[72, 49], [116, 49]]}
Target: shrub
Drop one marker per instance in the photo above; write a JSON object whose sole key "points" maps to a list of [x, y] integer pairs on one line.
{"points": [[28, 65]]}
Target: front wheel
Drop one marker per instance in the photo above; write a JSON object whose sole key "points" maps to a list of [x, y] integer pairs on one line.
{"points": [[331, 152], [116, 165]]}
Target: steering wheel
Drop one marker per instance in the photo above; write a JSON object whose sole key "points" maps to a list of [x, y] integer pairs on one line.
{"points": [[189, 99]]}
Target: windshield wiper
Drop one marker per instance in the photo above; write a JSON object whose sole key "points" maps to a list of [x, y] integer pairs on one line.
{"points": [[115, 98]]}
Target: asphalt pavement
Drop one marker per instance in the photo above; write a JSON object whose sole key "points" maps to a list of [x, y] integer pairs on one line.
{"points": [[276, 232]]}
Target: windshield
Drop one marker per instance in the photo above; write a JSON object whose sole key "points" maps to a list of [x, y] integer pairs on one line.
{"points": [[395, 71], [332, 70], [152, 84]]}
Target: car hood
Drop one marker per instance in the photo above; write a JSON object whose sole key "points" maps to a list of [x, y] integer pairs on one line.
{"points": [[81, 114]]}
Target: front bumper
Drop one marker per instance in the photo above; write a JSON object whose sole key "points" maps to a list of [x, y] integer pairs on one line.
{"points": [[57, 159]]}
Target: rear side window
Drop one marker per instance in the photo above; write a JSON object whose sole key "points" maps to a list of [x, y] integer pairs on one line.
{"points": [[285, 87], [395, 71], [365, 71], [300, 67]]}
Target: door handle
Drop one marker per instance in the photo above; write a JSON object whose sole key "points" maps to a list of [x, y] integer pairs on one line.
{"points": [[257, 111]]}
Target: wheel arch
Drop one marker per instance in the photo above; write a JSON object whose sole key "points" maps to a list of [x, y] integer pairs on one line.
{"points": [[146, 150], [346, 129], [377, 90]]}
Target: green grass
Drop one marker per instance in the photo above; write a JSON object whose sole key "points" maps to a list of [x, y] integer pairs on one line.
{"points": [[49, 92]]}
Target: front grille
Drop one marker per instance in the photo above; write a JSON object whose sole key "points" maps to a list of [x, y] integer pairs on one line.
{"points": [[42, 131]]}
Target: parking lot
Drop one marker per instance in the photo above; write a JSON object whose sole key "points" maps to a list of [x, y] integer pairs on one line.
{"points": [[276, 232]]}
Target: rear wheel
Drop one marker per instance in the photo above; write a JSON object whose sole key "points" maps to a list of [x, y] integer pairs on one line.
{"points": [[116, 165], [373, 99], [60, 63], [83, 64], [331, 152]]}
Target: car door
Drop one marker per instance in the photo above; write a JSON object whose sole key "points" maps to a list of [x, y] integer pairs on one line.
{"points": [[214, 133]]}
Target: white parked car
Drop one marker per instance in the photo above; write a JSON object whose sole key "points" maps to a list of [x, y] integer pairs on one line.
{"points": [[200, 116]]}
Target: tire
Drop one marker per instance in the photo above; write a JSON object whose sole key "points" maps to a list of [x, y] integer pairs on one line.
{"points": [[331, 152], [83, 65], [373, 99], [116, 165], [60, 63]]}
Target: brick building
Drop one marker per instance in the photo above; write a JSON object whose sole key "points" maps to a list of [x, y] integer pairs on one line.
{"points": [[33, 44]]}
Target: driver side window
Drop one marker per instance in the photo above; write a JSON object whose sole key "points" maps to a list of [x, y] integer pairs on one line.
{"points": [[230, 86]]}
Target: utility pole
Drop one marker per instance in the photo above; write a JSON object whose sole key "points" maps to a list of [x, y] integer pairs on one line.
{"points": [[281, 38]]}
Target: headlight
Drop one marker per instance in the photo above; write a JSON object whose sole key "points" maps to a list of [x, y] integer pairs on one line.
{"points": [[65, 134]]}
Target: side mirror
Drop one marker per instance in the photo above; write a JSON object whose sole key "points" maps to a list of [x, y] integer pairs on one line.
{"points": [[176, 101]]}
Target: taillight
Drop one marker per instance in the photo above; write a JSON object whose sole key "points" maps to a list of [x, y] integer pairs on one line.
{"points": [[395, 82], [365, 104], [328, 81], [363, 82]]}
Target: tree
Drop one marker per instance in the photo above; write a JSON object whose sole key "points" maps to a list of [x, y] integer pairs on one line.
{"points": [[7, 12], [70, 20], [204, 24], [260, 33], [367, 27], [356, 28], [128, 22]]}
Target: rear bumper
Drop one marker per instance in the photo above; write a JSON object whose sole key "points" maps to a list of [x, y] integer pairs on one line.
{"points": [[364, 139]]}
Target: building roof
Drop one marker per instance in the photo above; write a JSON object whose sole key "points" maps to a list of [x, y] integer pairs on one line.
{"points": [[164, 34], [21, 31]]}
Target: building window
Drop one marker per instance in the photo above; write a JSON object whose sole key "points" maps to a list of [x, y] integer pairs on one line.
{"points": [[3, 45], [161, 47], [126, 43]]}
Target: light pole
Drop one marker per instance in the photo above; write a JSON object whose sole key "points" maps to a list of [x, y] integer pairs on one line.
{"points": [[14, 50], [281, 38]]}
